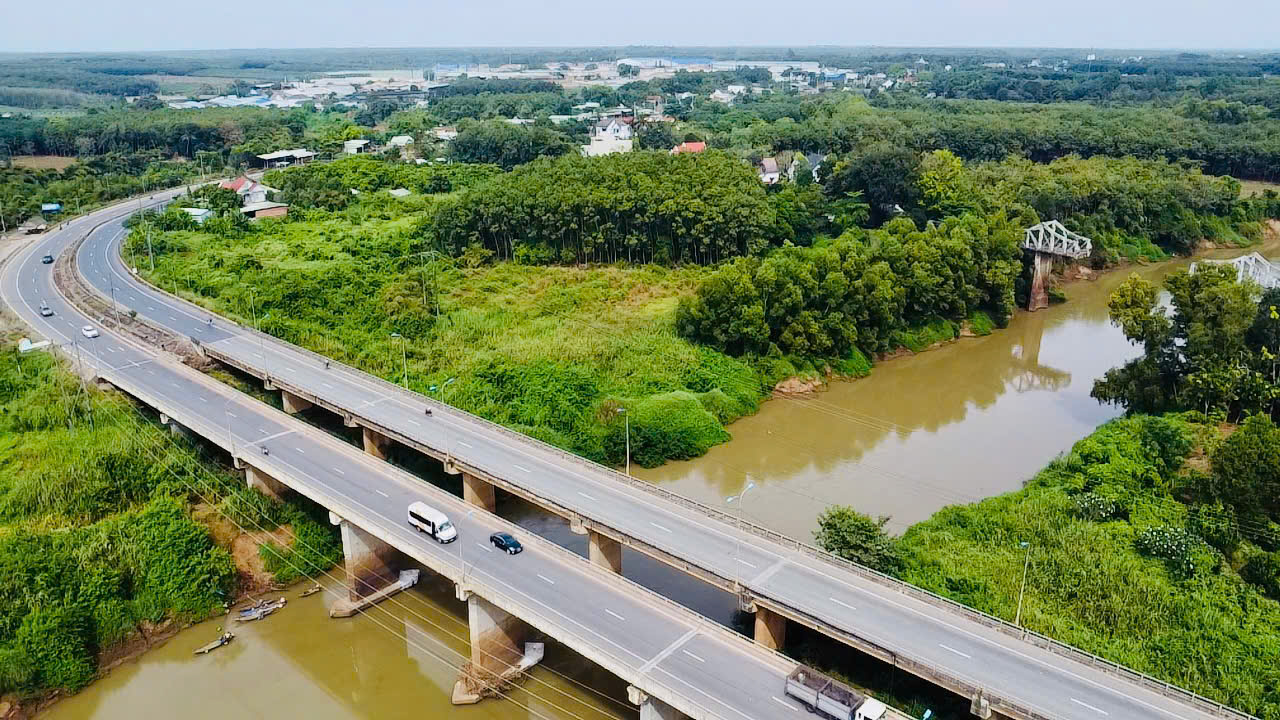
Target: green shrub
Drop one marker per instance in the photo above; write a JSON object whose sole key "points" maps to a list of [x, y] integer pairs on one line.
{"points": [[921, 338], [980, 323], [854, 536], [1263, 570], [1092, 506], [672, 425], [1171, 544]]}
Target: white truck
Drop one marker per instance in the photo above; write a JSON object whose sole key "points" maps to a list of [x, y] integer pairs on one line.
{"points": [[825, 696]]}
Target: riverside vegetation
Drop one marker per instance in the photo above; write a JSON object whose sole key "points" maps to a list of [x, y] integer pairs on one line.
{"points": [[102, 543], [1155, 542], [741, 287]]}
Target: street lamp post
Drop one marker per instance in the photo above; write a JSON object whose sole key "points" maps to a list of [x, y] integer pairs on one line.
{"points": [[462, 562], [1017, 618], [404, 358], [737, 551], [627, 420]]}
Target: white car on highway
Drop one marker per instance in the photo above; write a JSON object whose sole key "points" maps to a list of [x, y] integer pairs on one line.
{"points": [[89, 331]]}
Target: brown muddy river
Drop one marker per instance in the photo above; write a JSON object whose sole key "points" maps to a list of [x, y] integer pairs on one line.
{"points": [[966, 421]]}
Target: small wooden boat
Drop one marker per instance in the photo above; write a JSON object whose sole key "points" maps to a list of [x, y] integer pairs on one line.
{"points": [[223, 639], [310, 591], [257, 613]]}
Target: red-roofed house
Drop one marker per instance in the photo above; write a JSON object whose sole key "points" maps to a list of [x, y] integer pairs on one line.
{"points": [[689, 147], [250, 191]]}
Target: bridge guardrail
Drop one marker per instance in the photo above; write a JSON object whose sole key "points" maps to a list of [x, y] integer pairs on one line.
{"points": [[1038, 640]]}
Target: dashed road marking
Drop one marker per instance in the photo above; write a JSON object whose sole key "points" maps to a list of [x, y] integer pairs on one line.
{"points": [[695, 657], [615, 614], [783, 703], [521, 468], [547, 579], [663, 529], [842, 603], [484, 547], [586, 496], [948, 648], [381, 493], [464, 443], [1100, 711]]}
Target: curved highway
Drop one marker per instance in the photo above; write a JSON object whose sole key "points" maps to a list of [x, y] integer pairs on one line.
{"points": [[1049, 684]]}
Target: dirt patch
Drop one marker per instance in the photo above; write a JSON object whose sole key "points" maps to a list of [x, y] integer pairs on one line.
{"points": [[798, 386], [254, 576], [43, 162]]}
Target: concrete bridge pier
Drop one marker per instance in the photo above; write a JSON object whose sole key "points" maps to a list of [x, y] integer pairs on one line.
{"points": [[771, 628], [372, 569], [479, 492], [375, 443], [1042, 265], [264, 483], [604, 551], [652, 708], [292, 403], [497, 646]]}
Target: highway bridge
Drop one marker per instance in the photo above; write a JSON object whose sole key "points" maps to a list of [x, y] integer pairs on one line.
{"points": [[1004, 669]]}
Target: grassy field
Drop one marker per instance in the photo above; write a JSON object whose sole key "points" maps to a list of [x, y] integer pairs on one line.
{"points": [[552, 351], [1250, 188], [43, 162]]}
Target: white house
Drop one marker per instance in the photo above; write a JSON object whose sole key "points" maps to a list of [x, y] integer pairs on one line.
{"points": [[445, 133], [736, 89], [400, 141], [768, 171], [354, 147], [613, 128], [722, 96], [250, 191]]}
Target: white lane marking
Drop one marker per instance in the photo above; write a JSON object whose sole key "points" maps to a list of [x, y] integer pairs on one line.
{"points": [[948, 648], [327, 385], [175, 384], [615, 614], [586, 496], [695, 657], [1100, 711], [663, 529], [415, 422], [231, 414], [151, 372], [842, 603], [744, 562], [549, 580], [203, 400], [381, 493], [484, 547], [464, 443], [521, 468], [300, 451], [340, 471], [783, 703], [286, 367]]}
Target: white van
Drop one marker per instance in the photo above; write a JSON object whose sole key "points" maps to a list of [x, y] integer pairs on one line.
{"points": [[432, 522]]}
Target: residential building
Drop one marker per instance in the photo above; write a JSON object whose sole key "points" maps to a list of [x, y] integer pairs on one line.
{"points": [[445, 133], [284, 158], [250, 191], [400, 192], [265, 209], [355, 147], [768, 171], [689, 147], [617, 128], [722, 96], [400, 141], [199, 214]]}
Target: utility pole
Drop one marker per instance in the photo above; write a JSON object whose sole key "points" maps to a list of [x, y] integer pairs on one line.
{"points": [[150, 254], [1026, 562]]}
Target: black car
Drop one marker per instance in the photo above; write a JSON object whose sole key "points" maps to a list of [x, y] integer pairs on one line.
{"points": [[504, 541], [47, 259]]}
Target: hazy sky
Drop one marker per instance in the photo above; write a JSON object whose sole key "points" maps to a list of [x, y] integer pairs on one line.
{"points": [[81, 25]]}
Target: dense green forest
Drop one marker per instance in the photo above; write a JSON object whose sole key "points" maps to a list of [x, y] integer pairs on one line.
{"points": [[98, 529]]}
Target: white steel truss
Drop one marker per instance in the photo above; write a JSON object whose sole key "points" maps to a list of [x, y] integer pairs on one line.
{"points": [[1253, 267], [1052, 238]]}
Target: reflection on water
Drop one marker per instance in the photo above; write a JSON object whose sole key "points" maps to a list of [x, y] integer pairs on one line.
{"points": [[973, 419], [397, 661]]}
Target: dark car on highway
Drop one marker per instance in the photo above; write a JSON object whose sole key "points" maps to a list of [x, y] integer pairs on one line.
{"points": [[504, 541], [47, 259]]}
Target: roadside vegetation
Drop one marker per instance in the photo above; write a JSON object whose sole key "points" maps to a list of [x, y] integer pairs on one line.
{"points": [[102, 543]]}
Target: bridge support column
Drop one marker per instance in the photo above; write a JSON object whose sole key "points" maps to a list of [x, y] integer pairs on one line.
{"points": [[652, 708], [292, 403], [771, 628], [375, 443], [1042, 264], [264, 483], [372, 569], [479, 492], [497, 646], [980, 707], [604, 551]]}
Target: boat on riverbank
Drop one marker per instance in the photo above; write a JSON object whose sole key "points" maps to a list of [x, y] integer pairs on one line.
{"points": [[257, 612], [222, 639]]}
